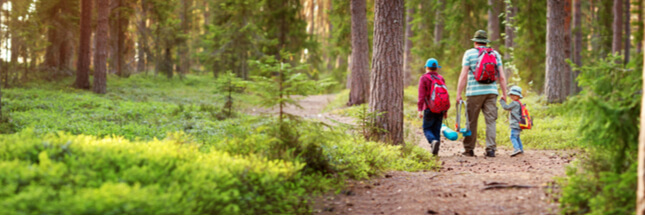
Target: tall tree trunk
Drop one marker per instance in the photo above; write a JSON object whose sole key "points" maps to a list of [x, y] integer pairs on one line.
{"points": [[640, 191], [407, 68], [493, 22], [557, 68], [83, 63], [142, 43], [577, 44], [639, 45], [510, 11], [359, 66], [100, 67], [438, 28], [122, 22], [628, 30], [184, 49], [617, 27], [386, 89], [567, 74], [2, 70]]}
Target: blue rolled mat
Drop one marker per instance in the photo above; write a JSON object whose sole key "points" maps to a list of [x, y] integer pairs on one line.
{"points": [[449, 133]]}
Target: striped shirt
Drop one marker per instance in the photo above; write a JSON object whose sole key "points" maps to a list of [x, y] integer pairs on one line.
{"points": [[473, 87]]}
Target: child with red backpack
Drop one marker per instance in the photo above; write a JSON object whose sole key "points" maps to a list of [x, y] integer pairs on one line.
{"points": [[519, 118], [433, 103]]}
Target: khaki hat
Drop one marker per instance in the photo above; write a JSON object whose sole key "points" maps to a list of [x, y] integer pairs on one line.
{"points": [[481, 36]]}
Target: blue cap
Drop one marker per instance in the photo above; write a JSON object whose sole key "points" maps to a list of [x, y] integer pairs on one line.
{"points": [[432, 63]]}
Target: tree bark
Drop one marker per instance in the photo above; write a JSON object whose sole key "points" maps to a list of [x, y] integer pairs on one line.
{"points": [[407, 68], [359, 66], [628, 30], [438, 28], [2, 70], [617, 27], [386, 89], [577, 44], [184, 49], [100, 67], [557, 69], [510, 11], [83, 63], [493, 22], [640, 191], [142, 43], [639, 45]]}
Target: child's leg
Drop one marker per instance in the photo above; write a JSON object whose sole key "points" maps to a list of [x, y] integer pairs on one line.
{"points": [[515, 139], [428, 126], [436, 128], [520, 141]]}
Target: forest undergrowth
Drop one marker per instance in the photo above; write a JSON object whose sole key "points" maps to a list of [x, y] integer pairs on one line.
{"points": [[152, 141]]}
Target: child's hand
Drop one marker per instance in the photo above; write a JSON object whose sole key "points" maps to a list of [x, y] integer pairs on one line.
{"points": [[420, 114]]}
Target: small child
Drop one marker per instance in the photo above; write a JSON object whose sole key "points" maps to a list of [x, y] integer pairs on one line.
{"points": [[516, 114], [433, 103]]}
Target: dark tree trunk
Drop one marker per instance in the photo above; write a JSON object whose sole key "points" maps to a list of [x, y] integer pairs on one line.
{"points": [[557, 69], [617, 27], [639, 45], [577, 44], [184, 50], [2, 69], [386, 89], [438, 28], [493, 22], [122, 22], [100, 67], [628, 30], [407, 67], [83, 63], [359, 66], [510, 11], [141, 63]]}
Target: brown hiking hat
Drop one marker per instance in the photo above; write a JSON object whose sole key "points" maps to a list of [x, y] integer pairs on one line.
{"points": [[481, 37]]}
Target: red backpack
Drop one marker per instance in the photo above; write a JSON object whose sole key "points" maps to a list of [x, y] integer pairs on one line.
{"points": [[439, 99], [487, 71], [526, 122]]}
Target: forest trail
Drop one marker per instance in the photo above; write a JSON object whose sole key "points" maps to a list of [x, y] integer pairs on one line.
{"points": [[457, 188]]}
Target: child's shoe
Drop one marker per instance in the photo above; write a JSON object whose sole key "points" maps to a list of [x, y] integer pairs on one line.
{"points": [[516, 152], [435, 147]]}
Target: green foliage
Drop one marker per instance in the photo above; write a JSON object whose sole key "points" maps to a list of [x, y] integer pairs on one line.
{"points": [[280, 82], [605, 180], [155, 146], [67, 174], [229, 84]]}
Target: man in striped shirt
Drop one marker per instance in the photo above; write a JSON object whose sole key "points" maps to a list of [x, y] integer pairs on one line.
{"points": [[480, 97]]}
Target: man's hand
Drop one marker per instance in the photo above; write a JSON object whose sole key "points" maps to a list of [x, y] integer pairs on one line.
{"points": [[459, 98], [420, 114]]}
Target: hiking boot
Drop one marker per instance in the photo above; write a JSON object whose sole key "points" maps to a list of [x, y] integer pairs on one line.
{"points": [[517, 152], [435, 147], [468, 153], [490, 153]]}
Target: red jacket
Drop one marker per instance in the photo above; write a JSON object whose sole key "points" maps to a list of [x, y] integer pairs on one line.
{"points": [[423, 85]]}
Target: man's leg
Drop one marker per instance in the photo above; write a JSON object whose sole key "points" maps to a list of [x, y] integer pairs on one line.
{"points": [[490, 114], [473, 106]]}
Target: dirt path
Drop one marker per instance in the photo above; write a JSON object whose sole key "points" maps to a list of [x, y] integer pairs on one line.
{"points": [[458, 188]]}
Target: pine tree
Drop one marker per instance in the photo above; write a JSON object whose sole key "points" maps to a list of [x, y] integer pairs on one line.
{"points": [[360, 80], [386, 94], [617, 27], [100, 67], [83, 64], [557, 69]]}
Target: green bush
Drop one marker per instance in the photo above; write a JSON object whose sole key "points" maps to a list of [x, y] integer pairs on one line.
{"points": [[78, 174], [603, 181]]}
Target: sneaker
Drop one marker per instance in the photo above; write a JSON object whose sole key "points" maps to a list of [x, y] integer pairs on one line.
{"points": [[490, 153], [516, 153], [468, 153], [435, 147]]}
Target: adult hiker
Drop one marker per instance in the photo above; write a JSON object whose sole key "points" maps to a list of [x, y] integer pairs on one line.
{"points": [[433, 103], [481, 72]]}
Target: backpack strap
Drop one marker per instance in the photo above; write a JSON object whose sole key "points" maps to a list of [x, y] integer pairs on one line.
{"points": [[430, 92]]}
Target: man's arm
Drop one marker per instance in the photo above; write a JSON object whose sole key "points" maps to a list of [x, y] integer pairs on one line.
{"points": [[463, 79]]}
